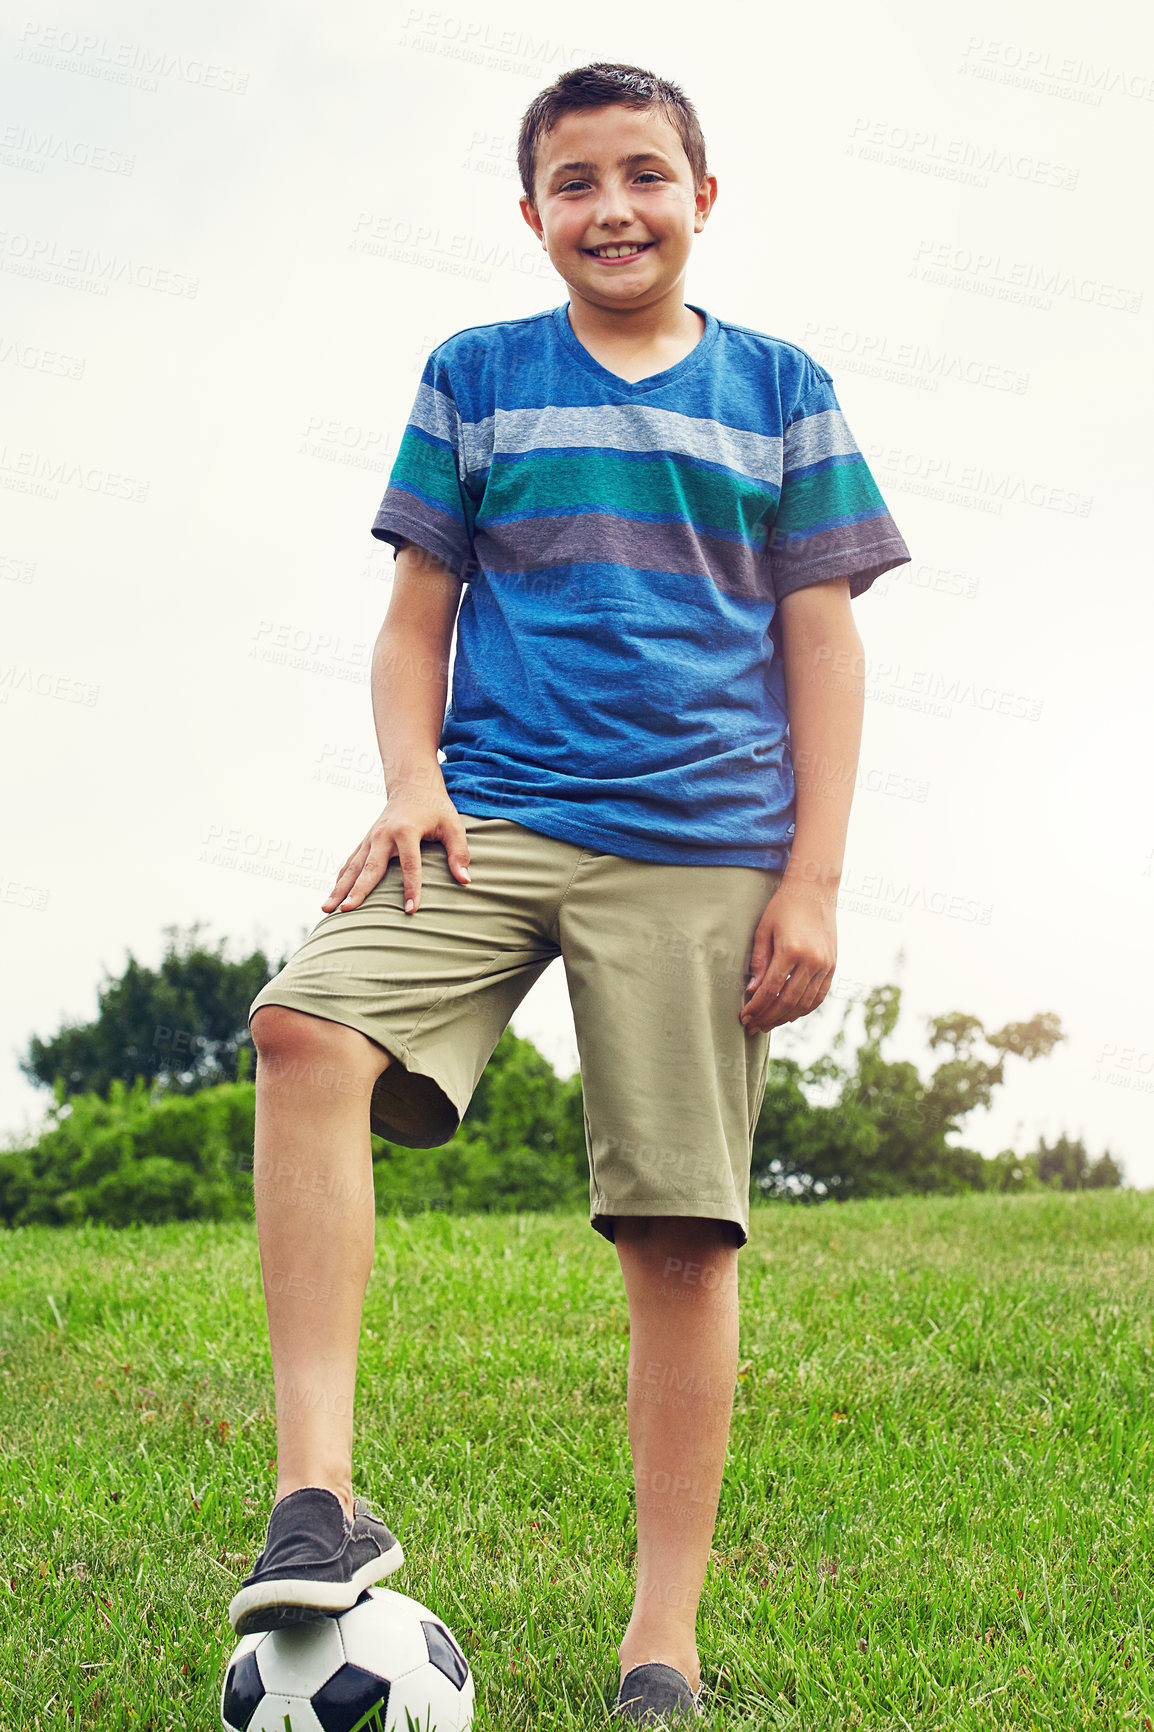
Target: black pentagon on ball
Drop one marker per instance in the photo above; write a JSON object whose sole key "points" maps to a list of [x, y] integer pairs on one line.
{"points": [[243, 1689], [444, 1653], [348, 1698]]}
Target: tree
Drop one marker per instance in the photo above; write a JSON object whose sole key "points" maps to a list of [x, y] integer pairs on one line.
{"points": [[886, 1130], [180, 1026], [805, 1151], [1067, 1166]]}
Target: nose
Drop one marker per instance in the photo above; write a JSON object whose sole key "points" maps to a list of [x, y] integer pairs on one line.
{"points": [[614, 206]]}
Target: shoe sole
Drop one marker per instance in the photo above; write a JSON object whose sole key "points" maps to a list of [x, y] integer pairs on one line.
{"points": [[289, 1600]]}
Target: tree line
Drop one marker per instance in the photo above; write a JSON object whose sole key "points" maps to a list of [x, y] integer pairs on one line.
{"points": [[153, 1105]]}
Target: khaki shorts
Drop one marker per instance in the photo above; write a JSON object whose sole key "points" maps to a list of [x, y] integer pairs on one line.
{"points": [[656, 959]]}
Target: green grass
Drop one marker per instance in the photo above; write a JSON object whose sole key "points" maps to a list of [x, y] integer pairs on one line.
{"points": [[936, 1511]]}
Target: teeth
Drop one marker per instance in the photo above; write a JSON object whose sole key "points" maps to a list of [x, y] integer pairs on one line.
{"points": [[616, 252]]}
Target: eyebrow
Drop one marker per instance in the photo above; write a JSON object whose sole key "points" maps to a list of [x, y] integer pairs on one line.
{"points": [[622, 162]]}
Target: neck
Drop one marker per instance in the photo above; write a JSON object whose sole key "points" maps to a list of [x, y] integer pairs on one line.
{"points": [[668, 317]]}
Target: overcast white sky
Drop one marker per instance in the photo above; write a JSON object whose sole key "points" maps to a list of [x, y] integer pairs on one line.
{"points": [[231, 235]]}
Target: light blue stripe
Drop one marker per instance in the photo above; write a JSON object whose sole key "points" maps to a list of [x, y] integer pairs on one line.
{"points": [[815, 437], [620, 427], [436, 414]]}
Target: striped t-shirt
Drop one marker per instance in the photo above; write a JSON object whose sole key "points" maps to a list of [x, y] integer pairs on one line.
{"points": [[618, 680]]}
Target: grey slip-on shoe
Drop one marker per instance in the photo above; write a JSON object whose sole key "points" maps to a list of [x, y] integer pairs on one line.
{"points": [[315, 1562], [653, 1690]]}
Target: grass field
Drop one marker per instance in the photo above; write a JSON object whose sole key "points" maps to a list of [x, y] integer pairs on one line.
{"points": [[936, 1513]]}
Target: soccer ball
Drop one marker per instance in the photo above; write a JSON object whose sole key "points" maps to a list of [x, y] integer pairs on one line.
{"points": [[388, 1664]]}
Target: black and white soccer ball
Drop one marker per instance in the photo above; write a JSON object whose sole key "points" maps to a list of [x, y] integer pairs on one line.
{"points": [[388, 1664]]}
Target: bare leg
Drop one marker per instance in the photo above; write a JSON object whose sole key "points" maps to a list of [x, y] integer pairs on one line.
{"points": [[681, 1280], [313, 1193]]}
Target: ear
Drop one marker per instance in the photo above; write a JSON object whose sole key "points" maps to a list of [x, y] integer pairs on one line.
{"points": [[704, 202], [529, 212]]}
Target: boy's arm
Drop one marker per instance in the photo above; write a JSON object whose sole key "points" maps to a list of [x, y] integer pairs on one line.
{"points": [[409, 683], [825, 688], [410, 670], [794, 950]]}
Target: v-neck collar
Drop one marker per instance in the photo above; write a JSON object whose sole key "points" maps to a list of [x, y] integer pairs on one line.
{"points": [[636, 387]]}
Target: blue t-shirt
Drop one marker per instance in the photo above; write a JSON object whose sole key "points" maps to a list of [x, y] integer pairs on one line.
{"points": [[618, 680]]}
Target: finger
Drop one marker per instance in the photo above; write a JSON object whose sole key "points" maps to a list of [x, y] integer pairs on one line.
{"points": [[456, 840], [818, 988], [799, 995], [764, 952], [763, 992], [776, 999], [409, 854], [370, 873], [758, 963], [348, 871], [346, 875], [778, 1012]]}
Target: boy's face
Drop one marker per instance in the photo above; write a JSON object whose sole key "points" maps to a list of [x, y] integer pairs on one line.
{"points": [[587, 197]]}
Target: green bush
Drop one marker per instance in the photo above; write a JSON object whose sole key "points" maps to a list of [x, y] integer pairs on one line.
{"points": [[154, 1152], [138, 1156], [134, 1158]]}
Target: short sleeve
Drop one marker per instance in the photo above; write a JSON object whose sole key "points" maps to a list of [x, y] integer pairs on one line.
{"points": [[427, 500], [831, 521]]}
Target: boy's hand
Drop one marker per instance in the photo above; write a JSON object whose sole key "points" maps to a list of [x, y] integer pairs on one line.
{"points": [[409, 816], [793, 958]]}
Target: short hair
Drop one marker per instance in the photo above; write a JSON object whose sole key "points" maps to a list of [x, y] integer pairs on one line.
{"points": [[599, 85]]}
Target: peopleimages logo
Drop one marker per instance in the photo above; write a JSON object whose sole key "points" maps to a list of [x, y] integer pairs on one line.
{"points": [[130, 63], [961, 159], [46, 260], [1023, 282], [931, 689], [460, 255], [331, 439], [34, 359], [37, 472], [25, 148], [43, 683], [908, 362], [473, 39], [326, 653], [971, 484], [1049, 74], [20, 895], [279, 857], [874, 892]]}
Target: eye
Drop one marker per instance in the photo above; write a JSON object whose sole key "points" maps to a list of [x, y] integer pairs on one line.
{"points": [[645, 174]]}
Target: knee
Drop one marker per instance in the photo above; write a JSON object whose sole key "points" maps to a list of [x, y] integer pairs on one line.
{"points": [[278, 1032], [286, 1037]]}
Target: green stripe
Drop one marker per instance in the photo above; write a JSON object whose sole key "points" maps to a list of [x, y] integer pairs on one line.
{"points": [[842, 490], [567, 481], [431, 470]]}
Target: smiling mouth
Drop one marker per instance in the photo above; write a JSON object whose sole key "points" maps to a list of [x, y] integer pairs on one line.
{"points": [[619, 250]]}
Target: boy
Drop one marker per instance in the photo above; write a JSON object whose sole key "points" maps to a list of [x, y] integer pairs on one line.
{"points": [[652, 522]]}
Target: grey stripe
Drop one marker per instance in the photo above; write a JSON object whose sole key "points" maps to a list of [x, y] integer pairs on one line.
{"points": [[863, 549], [436, 414], [620, 427], [815, 437], [403, 515], [595, 538]]}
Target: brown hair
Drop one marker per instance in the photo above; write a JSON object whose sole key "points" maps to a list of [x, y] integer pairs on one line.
{"points": [[597, 86]]}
